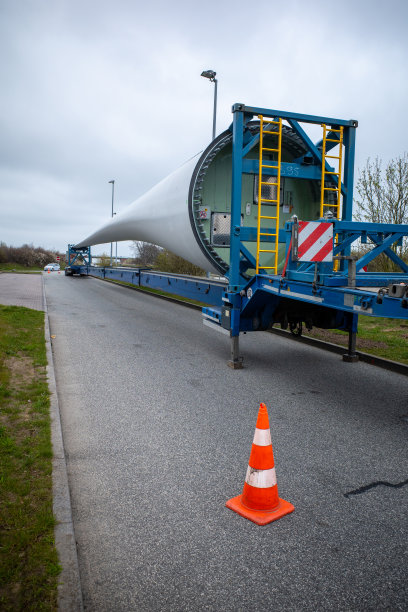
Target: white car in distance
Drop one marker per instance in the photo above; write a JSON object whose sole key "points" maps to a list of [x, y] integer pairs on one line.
{"points": [[52, 266]]}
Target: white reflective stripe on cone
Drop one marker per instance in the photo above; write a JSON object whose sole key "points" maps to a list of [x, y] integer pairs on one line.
{"points": [[262, 479], [262, 437]]}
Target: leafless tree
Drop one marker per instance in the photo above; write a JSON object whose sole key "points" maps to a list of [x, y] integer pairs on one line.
{"points": [[383, 198], [145, 253]]}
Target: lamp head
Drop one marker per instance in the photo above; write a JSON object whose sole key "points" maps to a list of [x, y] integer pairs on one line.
{"points": [[209, 74]]}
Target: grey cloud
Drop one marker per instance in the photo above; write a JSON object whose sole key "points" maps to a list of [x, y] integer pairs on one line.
{"points": [[98, 90]]}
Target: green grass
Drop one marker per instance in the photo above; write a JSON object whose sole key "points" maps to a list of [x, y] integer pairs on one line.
{"points": [[13, 267], [20, 269], [387, 338], [28, 559]]}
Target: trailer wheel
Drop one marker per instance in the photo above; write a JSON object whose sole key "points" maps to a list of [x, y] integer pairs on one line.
{"points": [[296, 328]]}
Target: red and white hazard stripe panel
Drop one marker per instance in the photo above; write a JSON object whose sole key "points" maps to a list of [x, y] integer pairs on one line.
{"points": [[315, 242]]}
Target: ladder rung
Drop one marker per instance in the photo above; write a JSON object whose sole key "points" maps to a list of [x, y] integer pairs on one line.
{"points": [[331, 189], [332, 157], [331, 205], [338, 130], [336, 173], [332, 140], [269, 232]]}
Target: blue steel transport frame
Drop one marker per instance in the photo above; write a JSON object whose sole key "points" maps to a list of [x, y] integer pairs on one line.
{"points": [[325, 295], [318, 294], [193, 288], [78, 259]]}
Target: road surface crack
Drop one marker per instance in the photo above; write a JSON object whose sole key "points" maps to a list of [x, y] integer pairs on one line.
{"points": [[372, 485]]}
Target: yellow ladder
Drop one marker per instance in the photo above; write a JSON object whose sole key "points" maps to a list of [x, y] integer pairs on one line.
{"points": [[339, 158], [273, 218]]}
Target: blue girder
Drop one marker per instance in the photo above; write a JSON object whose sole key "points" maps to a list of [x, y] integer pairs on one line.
{"points": [[306, 291], [254, 302], [78, 253], [198, 289]]}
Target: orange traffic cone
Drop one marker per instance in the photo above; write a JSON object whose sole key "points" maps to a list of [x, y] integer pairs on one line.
{"points": [[49, 271], [260, 501]]}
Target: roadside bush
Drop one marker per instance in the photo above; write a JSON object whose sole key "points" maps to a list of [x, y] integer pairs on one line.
{"points": [[28, 255], [167, 261]]}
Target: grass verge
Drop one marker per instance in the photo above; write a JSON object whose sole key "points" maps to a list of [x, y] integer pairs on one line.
{"points": [[29, 565], [19, 269], [387, 338]]}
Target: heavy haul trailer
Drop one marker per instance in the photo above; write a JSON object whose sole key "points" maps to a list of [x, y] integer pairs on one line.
{"points": [[78, 260], [239, 209]]}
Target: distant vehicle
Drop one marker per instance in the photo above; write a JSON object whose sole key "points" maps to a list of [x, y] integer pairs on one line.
{"points": [[52, 266]]}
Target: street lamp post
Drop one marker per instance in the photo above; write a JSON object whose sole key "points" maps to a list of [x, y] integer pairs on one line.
{"points": [[210, 74], [113, 192]]}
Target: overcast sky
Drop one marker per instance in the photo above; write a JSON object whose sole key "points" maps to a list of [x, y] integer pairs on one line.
{"points": [[93, 90]]}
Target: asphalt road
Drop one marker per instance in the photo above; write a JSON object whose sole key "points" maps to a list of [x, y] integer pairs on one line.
{"points": [[158, 430]]}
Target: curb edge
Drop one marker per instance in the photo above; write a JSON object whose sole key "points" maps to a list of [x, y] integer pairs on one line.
{"points": [[69, 583]]}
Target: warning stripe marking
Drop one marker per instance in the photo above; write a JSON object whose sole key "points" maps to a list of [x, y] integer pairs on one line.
{"points": [[309, 235], [315, 241], [324, 252], [262, 437], [262, 479], [306, 228]]}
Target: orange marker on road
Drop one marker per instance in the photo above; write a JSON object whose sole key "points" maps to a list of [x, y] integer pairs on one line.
{"points": [[259, 501]]}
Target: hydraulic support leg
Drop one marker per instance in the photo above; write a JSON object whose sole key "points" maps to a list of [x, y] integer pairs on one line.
{"points": [[351, 356], [236, 361]]}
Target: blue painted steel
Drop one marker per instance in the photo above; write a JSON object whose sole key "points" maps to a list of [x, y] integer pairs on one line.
{"points": [[248, 234], [234, 276], [253, 110], [244, 141], [74, 254], [267, 293], [381, 234], [316, 153], [348, 174], [290, 170], [339, 279], [384, 247], [342, 299], [321, 292], [316, 294], [199, 289]]}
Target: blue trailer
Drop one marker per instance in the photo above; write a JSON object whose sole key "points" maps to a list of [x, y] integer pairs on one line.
{"points": [[289, 271], [78, 260]]}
